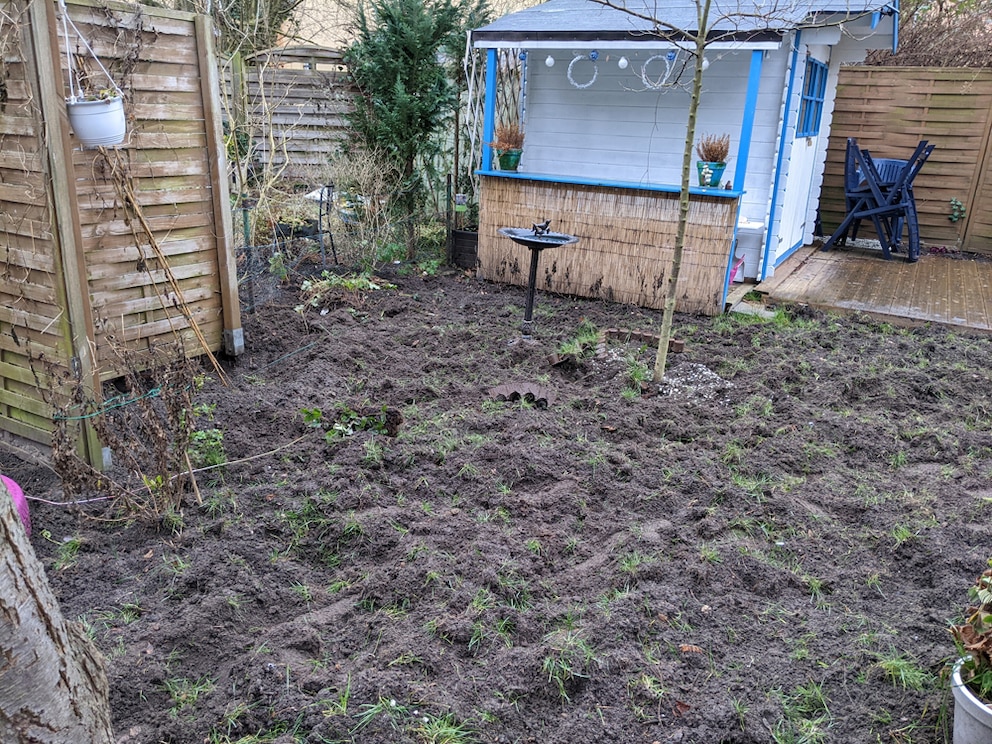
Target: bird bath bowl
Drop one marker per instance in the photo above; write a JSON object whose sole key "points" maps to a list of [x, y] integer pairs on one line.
{"points": [[537, 239]]}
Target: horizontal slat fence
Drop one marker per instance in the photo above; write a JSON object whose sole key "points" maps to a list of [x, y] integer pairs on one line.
{"points": [[889, 110], [165, 165], [296, 104], [104, 247]]}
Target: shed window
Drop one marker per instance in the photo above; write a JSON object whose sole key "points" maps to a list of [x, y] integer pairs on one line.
{"points": [[814, 89]]}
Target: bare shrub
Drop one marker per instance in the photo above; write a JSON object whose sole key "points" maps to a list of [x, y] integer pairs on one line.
{"points": [[942, 34], [364, 186], [146, 420]]}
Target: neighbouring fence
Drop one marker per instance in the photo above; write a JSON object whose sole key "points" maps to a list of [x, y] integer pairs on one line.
{"points": [[292, 103], [889, 110], [107, 248]]}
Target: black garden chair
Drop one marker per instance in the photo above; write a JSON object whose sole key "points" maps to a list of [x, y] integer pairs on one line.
{"points": [[881, 191]]}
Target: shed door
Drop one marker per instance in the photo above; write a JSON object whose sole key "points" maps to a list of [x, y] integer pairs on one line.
{"points": [[795, 206], [796, 209]]}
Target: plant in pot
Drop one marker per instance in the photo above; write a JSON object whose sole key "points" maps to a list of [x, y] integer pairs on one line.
{"points": [[294, 219], [97, 118], [508, 145], [712, 150], [971, 677]]}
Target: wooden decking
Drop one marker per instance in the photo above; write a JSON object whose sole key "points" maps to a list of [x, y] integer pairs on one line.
{"points": [[938, 289]]}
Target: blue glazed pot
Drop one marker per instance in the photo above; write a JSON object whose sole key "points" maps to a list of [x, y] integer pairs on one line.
{"points": [[710, 173]]}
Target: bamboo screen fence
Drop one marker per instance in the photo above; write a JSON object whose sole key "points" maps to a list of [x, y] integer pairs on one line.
{"points": [[293, 103], [624, 253], [108, 247], [889, 110]]}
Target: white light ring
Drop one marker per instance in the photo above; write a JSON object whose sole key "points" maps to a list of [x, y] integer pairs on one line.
{"points": [[662, 80], [571, 65]]}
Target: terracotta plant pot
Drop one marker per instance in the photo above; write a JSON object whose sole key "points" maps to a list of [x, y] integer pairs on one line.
{"points": [[99, 122], [972, 717]]}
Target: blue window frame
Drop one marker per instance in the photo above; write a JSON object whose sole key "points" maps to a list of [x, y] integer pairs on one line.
{"points": [[814, 90]]}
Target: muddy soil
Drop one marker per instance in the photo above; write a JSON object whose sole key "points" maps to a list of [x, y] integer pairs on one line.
{"points": [[768, 548]]}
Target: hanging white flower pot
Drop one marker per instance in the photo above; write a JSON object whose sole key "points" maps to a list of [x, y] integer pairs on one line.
{"points": [[99, 122], [97, 118]]}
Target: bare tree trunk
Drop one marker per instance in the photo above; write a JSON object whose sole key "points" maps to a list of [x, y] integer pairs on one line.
{"points": [[53, 687], [671, 296]]}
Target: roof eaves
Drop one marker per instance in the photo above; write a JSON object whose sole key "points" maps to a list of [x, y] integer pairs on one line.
{"points": [[634, 38]]}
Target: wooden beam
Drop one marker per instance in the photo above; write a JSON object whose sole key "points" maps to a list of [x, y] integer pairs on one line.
{"points": [[234, 340]]}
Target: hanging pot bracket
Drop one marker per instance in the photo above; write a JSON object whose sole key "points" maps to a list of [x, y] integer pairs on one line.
{"points": [[76, 91]]}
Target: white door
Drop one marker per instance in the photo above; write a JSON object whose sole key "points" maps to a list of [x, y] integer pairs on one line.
{"points": [[803, 167]]}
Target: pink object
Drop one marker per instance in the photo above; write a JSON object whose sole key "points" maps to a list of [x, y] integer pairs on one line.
{"points": [[737, 272], [19, 501]]}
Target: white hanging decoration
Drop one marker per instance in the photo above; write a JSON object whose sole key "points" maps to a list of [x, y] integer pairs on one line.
{"points": [[592, 57], [670, 58], [706, 64], [96, 119], [549, 61], [622, 63]]}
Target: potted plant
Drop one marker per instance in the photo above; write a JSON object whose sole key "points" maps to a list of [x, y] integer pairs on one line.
{"points": [[97, 118], [712, 150], [971, 677], [508, 145]]}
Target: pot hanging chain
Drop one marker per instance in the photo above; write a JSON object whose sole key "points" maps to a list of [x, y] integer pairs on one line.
{"points": [[76, 92]]}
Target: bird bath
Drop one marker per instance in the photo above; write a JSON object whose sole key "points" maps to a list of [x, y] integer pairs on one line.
{"points": [[537, 239]]}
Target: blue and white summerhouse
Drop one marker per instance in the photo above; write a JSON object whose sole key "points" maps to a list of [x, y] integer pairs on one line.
{"points": [[602, 95]]}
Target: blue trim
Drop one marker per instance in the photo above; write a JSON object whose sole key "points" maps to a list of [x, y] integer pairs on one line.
{"points": [[896, 13], [747, 124], [811, 100], [770, 231], [733, 256], [789, 252], [730, 262], [489, 110], [664, 188]]}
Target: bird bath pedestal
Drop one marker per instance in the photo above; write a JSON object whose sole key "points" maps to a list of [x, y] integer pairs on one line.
{"points": [[537, 239]]}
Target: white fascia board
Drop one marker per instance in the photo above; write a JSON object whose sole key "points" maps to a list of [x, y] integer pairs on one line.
{"points": [[650, 45], [828, 35]]}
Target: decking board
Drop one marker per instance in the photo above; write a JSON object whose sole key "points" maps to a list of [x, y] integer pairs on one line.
{"points": [[939, 289]]}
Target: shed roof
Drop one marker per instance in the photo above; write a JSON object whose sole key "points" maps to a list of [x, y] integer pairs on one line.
{"points": [[739, 21]]}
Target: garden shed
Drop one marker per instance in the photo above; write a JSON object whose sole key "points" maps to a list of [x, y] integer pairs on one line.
{"points": [[602, 97], [108, 247]]}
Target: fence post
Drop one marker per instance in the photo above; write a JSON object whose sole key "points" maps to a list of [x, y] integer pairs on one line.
{"points": [[71, 284], [234, 341]]}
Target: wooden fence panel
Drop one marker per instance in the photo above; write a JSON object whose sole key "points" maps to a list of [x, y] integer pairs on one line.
{"points": [[32, 323], [156, 54], [978, 222], [297, 102], [79, 264], [889, 110]]}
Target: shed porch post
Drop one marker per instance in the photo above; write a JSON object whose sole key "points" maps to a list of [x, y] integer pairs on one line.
{"points": [[489, 111], [747, 124]]}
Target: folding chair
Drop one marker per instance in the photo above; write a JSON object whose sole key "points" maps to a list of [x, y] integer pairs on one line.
{"points": [[882, 191]]}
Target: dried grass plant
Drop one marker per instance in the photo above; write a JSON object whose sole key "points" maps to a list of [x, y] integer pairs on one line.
{"points": [[713, 148], [508, 137]]}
